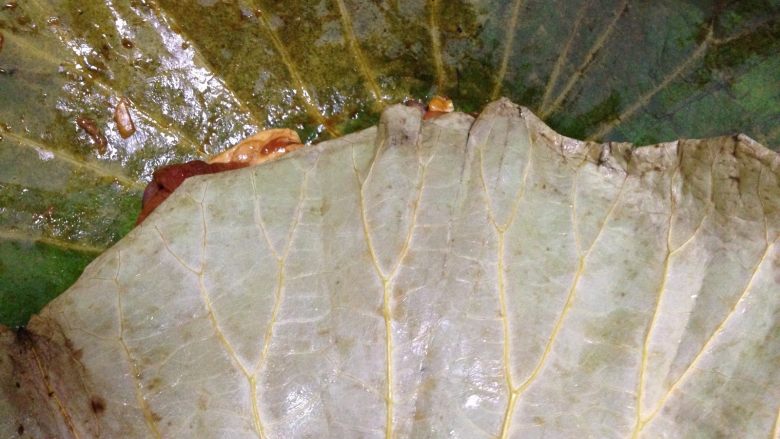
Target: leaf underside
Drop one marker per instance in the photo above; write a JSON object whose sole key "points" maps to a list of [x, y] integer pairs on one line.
{"points": [[455, 277]]}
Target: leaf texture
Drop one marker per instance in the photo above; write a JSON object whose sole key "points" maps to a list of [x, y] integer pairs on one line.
{"points": [[456, 277], [198, 77]]}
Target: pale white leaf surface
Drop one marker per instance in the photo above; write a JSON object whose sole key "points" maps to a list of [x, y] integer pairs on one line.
{"points": [[449, 278]]}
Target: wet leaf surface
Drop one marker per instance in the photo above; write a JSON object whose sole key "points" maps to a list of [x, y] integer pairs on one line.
{"points": [[197, 77], [452, 277]]}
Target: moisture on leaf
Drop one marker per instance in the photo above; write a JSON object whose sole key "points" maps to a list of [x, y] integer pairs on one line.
{"points": [[203, 75], [458, 277]]}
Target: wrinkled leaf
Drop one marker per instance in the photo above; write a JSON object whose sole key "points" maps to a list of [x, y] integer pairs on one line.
{"points": [[447, 278], [198, 76]]}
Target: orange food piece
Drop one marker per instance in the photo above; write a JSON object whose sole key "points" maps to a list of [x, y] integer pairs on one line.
{"points": [[253, 150], [441, 104], [437, 106], [261, 147]]}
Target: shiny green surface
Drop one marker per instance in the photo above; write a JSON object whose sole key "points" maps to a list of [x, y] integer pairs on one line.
{"points": [[201, 75]]}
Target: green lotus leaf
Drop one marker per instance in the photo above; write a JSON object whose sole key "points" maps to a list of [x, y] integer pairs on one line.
{"points": [[444, 278], [198, 76]]}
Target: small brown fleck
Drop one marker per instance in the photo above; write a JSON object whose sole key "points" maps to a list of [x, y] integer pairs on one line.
{"points": [[90, 127], [154, 383], [2, 39], [157, 418], [51, 394], [20, 429], [203, 402], [105, 51], [18, 385], [127, 43], [124, 122], [97, 404], [53, 21]]}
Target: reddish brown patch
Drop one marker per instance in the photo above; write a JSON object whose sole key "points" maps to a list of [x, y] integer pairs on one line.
{"points": [[90, 127], [166, 179], [1, 41]]}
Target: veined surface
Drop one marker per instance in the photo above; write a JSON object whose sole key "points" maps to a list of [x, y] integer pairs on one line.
{"points": [[451, 278]]}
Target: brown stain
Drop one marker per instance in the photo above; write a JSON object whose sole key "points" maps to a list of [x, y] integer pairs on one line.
{"points": [[154, 383], [76, 353], [324, 206], [127, 43], [123, 119], [203, 402], [2, 39], [90, 127], [157, 418], [97, 404], [54, 381], [399, 311]]}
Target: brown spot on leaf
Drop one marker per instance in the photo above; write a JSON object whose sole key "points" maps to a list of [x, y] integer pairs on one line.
{"points": [[20, 429], [1, 41], [97, 404], [154, 383], [90, 127], [157, 418], [127, 43], [77, 353], [123, 119]]}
